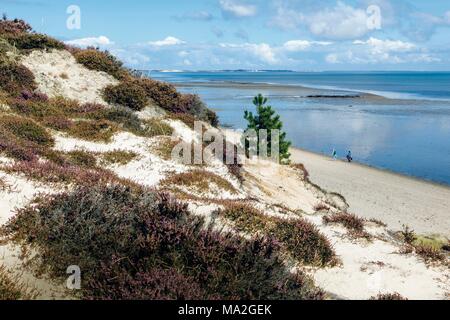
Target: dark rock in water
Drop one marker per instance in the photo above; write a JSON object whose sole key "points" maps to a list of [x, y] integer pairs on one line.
{"points": [[334, 96]]}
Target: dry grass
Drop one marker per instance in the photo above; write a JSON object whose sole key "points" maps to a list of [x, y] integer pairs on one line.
{"points": [[99, 131], [200, 180], [119, 157], [12, 289], [165, 146], [430, 249], [157, 127], [353, 223]]}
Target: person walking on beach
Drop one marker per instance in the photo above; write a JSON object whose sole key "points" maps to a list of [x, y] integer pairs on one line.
{"points": [[334, 154], [349, 157]]}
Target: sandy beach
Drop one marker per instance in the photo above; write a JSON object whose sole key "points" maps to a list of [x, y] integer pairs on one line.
{"points": [[392, 198]]}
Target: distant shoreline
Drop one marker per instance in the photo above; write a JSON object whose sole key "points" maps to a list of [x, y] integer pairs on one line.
{"points": [[391, 197]]}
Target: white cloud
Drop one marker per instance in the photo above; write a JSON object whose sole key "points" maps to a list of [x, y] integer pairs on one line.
{"points": [[378, 46], [302, 45], [332, 58], [90, 42], [339, 22], [169, 41], [198, 15], [262, 51], [236, 9]]}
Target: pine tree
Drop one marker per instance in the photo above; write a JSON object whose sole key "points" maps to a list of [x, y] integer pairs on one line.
{"points": [[267, 119]]}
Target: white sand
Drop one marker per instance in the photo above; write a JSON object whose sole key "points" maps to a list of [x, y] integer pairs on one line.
{"points": [[368, 268], [58, 74], [394, 199]]}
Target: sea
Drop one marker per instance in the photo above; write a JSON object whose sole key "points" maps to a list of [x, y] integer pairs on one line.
{"points": [[397, 121]]}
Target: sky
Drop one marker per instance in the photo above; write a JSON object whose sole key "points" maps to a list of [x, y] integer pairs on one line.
{"points": [[301, 35]]}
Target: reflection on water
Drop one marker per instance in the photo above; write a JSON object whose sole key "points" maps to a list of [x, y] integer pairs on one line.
{"points": [[409, 137]]}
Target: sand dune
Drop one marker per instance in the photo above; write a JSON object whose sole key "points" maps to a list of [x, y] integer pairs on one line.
{"points": [[371, 193]]}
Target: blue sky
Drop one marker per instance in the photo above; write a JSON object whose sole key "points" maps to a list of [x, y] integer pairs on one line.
{"points": [[305, 35]]}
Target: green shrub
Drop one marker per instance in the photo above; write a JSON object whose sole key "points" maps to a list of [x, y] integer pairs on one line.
{"points": [[119, 157], [156, 127], [94, 59], [82, 158], [126, 94], [122, 116], [101, 130], [14, 78], [26, 129], [144, 245]]}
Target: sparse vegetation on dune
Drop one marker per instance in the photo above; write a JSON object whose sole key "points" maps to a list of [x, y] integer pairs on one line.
{"points": [[388, 296], [128, 242], [353, 223], [119, 157], [12, 289], [104, 61], [301, 239], [101, 130], [200, 180], [26, 129], [428, 248]]}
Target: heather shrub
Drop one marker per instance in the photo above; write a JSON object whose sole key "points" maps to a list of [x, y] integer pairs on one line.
{"points": [[104, 61], [61, 171], [353, 223], [15, 26], [32, 41], [163, 94], [408, 235], [15, 148], [301, 239], [133, 245], [156, 127], [124, 117], [126, 94], [193, 105], [429, 254], [101, 130], [26, 129], [33, 95], [82, 158], [14, 78], [199, 181], [39, 108], [186, 118], [11, 288], [120, 157], [59, 123], [388, 296]]}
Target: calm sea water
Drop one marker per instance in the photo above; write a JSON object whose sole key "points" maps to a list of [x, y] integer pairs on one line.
{"points": [[409, 132]]}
